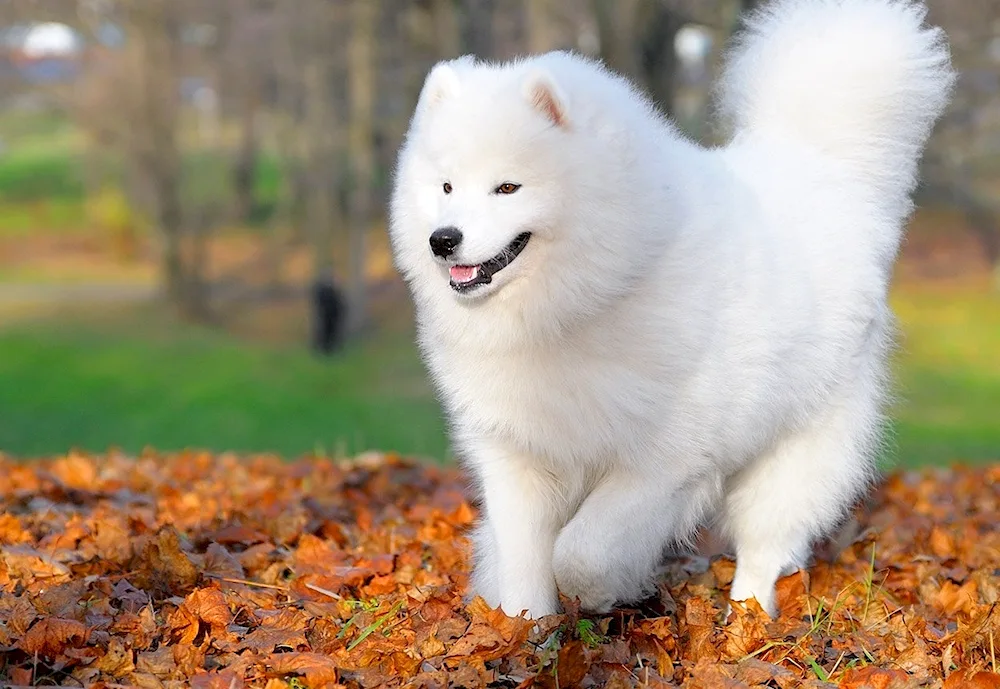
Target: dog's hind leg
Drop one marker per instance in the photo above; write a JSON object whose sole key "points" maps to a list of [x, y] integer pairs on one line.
{"points": [[779, 505]]}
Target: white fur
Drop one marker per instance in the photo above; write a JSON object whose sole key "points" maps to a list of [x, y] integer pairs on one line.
{"points": [[690, 334]]}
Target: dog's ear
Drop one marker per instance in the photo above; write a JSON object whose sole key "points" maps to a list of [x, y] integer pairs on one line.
{"points": [[441, 84], [547, 98]]}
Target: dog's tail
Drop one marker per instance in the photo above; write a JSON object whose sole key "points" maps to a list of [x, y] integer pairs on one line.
{"points": [[860, 81]]}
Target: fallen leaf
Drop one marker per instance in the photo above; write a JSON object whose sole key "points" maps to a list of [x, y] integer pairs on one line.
{"points": [[162, 567], [51, 636], [283, 630], [874, 678], [223, 679], [314, 668], [117, 661], [207, 606]]}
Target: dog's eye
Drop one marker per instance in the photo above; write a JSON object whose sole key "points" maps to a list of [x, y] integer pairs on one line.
{"points": [[507, 188], [447, 187]]}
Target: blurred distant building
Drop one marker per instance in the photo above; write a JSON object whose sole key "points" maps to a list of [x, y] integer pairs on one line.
{"points": [[43, 53]]}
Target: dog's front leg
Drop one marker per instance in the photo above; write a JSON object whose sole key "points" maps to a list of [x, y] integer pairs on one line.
{"points": [[609, 551], [524, 507]]}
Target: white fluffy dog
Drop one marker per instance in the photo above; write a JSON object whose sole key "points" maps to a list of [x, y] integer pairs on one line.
{"points": [[633, 335]]}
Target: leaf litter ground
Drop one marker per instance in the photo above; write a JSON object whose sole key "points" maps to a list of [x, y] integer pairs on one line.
{"points": [[220, 571]]}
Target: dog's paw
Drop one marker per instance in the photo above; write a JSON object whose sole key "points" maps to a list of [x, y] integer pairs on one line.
{"points": [[533, 605], [742, 592], [586, 576]]}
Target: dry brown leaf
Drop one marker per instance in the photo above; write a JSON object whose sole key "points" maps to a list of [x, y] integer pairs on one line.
{"points": [[753, 671], [283, 630], [792, 593], [203, 611], [942, 544], [974, 680], [159, 663], [51, 636], [315, 669], [117, 661], [745, 632], [710, 675], [954, 599], [224, 679], [162, 567], [11, 530], [112, 541], [874, 678], [699, 619], [29, 564]]}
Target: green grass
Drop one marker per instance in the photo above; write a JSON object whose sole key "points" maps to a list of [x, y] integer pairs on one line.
{"points": [[139, 380], [40, 166], [141, 383], [948, 376], [32, 175]]}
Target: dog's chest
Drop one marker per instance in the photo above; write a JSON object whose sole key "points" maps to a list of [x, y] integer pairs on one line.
{"points": [[561, 407]]}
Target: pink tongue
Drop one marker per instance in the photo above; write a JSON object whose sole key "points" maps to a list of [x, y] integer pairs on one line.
{"points": [[463, 273]]}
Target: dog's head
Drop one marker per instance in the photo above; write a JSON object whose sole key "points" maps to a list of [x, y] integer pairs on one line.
{"points": [[508, 189]]}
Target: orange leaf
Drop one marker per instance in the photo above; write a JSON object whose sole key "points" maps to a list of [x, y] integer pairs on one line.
{"points": [[223, 679], [942, 544], [977, 680], [202, 605], [117, 662], [699, 619], [492, 634], [315, 668], [792, 592], [284, 630], [872, 677], [953, 598], [50, 637], [210, 606], [161, 565], [745, 631]]}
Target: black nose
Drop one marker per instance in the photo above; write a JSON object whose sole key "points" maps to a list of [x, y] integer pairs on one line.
{"points": [[445, 240]]}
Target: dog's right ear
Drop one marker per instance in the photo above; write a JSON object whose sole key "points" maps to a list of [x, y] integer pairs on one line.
{"points": [[441, 84], [547, 98]]}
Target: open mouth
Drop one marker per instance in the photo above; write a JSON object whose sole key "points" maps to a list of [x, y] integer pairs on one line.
{"points": [[467, 278]]}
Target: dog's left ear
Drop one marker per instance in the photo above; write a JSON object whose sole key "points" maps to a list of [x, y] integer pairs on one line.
{"points": [[547, 98]]}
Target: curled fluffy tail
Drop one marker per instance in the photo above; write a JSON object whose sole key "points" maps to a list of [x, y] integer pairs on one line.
{"points": [[861, 81]]}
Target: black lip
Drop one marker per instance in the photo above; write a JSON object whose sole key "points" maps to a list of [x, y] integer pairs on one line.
{"points": [[493, 266]]}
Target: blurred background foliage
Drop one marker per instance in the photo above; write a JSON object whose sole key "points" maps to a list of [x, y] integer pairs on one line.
{"points": [[192, 192]]}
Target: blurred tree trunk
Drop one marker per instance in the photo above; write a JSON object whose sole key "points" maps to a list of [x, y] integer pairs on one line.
{"points": [[361, 64], [444, 28], [322, 146], [637, 40], [542, 34], [320, 123], [615, 20], [477, 27], [658, 56], [245, 167], [154, 27]]}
